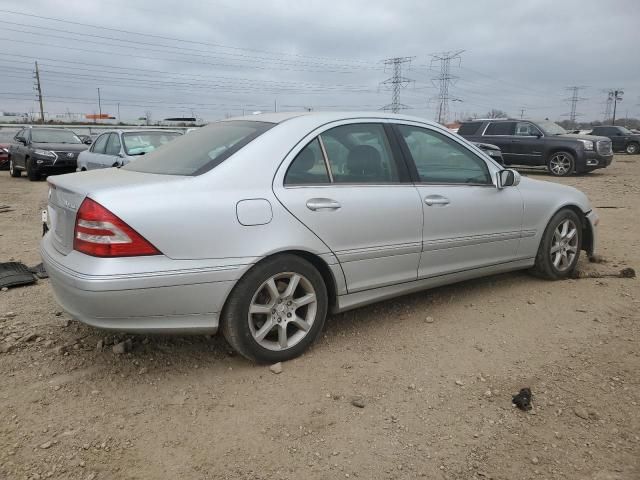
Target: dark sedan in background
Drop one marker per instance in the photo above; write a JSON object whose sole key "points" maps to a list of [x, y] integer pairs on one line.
{"points": [[6, 139]]}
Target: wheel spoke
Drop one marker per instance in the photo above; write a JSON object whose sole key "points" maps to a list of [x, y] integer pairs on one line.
{"points": [[283, 341], [556, 260], [555, 248], [571, 233], [301, 324], [565, 228], [306, 300], [264, 330], [293, 284], [273, 290], [572, 249], [256, 308]]}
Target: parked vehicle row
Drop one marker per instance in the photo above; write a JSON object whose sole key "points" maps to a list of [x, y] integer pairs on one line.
{"points": [[39, 151], [542, 143], [259, 226], [622, 139]]}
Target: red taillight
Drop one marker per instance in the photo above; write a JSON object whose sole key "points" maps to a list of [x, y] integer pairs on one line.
{"points": [[99, 233]]}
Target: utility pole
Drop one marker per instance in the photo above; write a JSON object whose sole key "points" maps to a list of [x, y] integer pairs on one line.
{"points": [[119, 112], [522, 110], [397, 82], [443, 81], [616, 96], [573, 100], [39, 88], [99, 103]]}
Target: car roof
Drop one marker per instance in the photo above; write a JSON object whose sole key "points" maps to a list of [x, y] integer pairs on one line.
{"points": [[327, 117]]}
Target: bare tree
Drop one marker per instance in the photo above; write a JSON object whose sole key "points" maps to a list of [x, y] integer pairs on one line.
{"points": [[496, 113]]}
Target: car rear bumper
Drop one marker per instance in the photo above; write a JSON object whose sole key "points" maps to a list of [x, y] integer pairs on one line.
{"points": [[153, 300]]}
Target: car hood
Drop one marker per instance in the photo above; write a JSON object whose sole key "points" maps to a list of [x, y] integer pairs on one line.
{"points": [[567, 193], [579, 136], [65, 147]]}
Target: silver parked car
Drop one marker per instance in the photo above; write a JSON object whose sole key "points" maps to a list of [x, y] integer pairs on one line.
{"points": [[118, 147], [261, 225]]}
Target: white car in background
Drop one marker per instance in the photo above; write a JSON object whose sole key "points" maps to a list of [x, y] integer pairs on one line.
{"points": [[118, 147]]}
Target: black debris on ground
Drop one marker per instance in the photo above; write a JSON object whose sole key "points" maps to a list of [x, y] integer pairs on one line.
{"points": [[523, 399], [39, 271], [13, 274]]}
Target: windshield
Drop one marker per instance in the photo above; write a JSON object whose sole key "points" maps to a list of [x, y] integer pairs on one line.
{"points": [[551, 128], [202, 150], [140, 143], [50, 135]]}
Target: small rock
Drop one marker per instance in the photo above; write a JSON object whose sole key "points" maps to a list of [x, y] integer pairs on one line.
{"points": [[558, 435], [487, 393], [86, 446], [100, 345], [358, 402], [412, 386], [120, 348], [46, 445], [9, 315], [60, 350], [535, 460], [58, 313], [5, 289], [48, 343], [6, 347], [460, 383], [143, 370], [429, 319], [276, 368], [581, 412], [531, 302]]}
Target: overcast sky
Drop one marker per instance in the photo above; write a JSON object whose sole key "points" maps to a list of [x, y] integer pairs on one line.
{"points": [[223, 57]]}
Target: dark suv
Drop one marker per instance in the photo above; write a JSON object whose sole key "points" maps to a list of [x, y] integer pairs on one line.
{"points": [[622, 139], [542, 143], [40, 150]]}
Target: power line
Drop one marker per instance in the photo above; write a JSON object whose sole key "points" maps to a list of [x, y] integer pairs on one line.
{"points": [[444, 80], [397, 82]]}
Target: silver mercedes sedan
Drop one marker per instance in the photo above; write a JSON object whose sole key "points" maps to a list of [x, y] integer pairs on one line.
{"points": [[261, 225]]}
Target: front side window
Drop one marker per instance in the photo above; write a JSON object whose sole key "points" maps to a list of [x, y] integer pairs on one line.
{"points": [[500, 128], [113, 145], [201, 150], [100, 143], [439, 159], [308, 168], [360, 153], [50, 135], [526, 129]]}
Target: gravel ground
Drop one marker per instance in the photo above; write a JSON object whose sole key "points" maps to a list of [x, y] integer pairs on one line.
{"points": [[414, 387]]}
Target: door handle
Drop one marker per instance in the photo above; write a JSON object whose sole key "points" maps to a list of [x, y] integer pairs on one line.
{"points": [[322, 204], [432, 200]]}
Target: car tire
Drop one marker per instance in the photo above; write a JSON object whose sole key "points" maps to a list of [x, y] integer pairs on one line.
{"points": [[264, 320], [561, 164], [560, 246], [33, 175], [13, 171], [632, 148]]}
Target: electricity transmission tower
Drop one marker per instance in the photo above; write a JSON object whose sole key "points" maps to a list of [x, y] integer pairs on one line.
{"points": [[608, 106], [38, 88], [397, 82], [573, 100], [442, 81]]}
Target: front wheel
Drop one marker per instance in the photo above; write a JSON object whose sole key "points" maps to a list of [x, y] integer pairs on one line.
{"points": [[560, 246], [33, 175], [12, 170], [632, 148], [276, 310], [561, 164]]}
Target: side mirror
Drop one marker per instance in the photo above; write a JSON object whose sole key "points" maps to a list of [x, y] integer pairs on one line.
{"points": [[117, 164], [21, 140], [507, 178], [538, 134], [87, 141]]}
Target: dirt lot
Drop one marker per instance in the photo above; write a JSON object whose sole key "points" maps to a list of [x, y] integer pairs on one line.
{"points": [[435, 372]]}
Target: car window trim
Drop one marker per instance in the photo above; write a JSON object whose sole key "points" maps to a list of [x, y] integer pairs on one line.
{"points": [[417, 180], [325, 157], [493, 134]]}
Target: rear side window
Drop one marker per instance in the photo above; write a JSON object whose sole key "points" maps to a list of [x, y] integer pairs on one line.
{"points": [[308, 168], [201, 150], [469, 128], [500, 128]]}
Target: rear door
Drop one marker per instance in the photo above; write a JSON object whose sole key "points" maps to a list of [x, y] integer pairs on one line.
{"points": [[527, 145], [350, 186], [468, 222], [501, 134]]}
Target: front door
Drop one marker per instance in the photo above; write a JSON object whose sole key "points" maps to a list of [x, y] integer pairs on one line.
{"points": [[349, 186], [527, 145], [468, 222]]}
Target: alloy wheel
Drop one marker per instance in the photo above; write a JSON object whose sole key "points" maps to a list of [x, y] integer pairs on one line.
{"points": [[632, 148], [282, 311], [564, 246], [560, 164]]}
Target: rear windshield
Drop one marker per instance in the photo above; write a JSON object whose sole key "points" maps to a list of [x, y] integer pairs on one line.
{"points": [[469, 128], [141, 143], [201, 150]]}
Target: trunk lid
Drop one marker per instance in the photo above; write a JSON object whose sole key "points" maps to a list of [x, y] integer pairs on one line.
{"points": [[66, 193]]}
